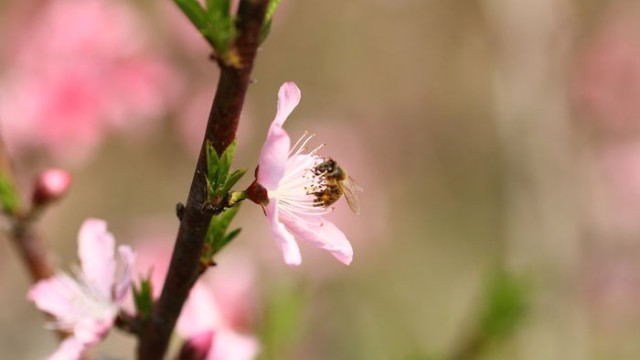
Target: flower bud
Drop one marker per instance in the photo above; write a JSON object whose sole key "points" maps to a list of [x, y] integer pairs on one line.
{"points": [[50, 185]]}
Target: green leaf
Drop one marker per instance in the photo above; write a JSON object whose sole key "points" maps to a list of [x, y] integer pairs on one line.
{"points": [[195, 12], [220, 6], [219, 245], [214, 23], [143, 298], [217, 237], [220, 31], [506, 306], [219, 224], [227, 156], [213, 163], [219, 181], [232, 179], [271, 9], [225, 164], [268, 19], [9, 198]]}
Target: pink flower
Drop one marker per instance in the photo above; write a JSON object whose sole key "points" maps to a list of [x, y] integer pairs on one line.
{"points": [[290, 180], [86, 305], [607, 79], [207, 329]]}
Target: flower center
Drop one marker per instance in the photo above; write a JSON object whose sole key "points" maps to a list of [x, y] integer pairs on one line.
{"points": [[305, 187]]}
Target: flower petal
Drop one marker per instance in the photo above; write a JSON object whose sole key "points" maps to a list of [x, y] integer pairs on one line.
{"points": [[286, 241], [96, 252], [55, 296], [288, 98], [230, 345], [74, 308], [91, 330], [200, 312], [273, 157], [122, 286], [321, 233], [275, 152], [70, 349]]}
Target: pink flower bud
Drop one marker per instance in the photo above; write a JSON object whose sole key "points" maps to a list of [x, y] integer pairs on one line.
{"points": [[50, 185]]}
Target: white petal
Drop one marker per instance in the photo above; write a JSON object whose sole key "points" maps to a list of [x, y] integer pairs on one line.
{"points": [[122, 286], [96, 252], [70, 349], [288, 98]]}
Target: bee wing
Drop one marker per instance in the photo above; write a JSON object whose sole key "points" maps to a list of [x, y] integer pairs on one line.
{"points": [[350, 189]]}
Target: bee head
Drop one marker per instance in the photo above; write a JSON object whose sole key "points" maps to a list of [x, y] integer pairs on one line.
{"points": [[330, 169], [326, 167]]}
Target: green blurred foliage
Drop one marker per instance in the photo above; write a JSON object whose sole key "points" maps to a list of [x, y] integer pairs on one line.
{"points": [[281, 325], [9, 196]]}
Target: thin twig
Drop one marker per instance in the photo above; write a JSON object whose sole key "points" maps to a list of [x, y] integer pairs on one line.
{"points": [[221, 129], [22, 233]]}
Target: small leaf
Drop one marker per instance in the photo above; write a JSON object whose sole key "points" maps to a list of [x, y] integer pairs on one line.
{"points": [[268, 19], [271, 9], [219, 224], [217, 237], [143, 298], [220, 32], [9, 198], [228, 154], [225, 164], [219, 245], [220, 6], [194, 11], [232, 179], [213, 163]]}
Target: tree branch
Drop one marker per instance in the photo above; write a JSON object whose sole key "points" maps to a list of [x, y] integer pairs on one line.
{"points": [[22, 232], [221, 129]]}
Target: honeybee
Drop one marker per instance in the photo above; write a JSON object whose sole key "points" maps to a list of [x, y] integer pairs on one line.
{"points": [[337, 183]]}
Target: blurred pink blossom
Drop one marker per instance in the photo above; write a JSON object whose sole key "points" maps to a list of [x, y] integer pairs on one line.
{"points": [[615, 190], [81, 69], [86, 305], [202, 316], [612, 285], [607, 80], [287, 175], [219, 310]]}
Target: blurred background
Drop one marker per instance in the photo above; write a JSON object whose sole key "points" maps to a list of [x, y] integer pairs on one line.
{"points": [[498, 143]]}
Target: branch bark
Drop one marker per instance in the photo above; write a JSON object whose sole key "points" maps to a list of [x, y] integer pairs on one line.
{"points": [[221, 129], [22, 232]]}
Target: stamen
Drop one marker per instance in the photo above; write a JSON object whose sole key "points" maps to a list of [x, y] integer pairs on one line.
{"points": [[301, 143], [315, 151]]}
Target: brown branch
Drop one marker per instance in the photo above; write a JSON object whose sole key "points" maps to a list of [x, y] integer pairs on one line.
{"points": [[22, 232], [221, 129], [31, 249]]}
